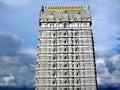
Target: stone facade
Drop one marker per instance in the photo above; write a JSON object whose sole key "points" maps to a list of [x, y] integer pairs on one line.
{"points": [[66, 58]]}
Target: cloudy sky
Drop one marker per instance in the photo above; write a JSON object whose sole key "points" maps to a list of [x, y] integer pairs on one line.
{"points": [[19, 30]]}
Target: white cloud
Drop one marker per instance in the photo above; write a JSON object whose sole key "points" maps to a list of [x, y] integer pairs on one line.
{"points": [[7, 59], [14, 71], [105, 24], [108, 71], [8, 80], [29, 51], [15, 2], [17, 38], [15, 66]]}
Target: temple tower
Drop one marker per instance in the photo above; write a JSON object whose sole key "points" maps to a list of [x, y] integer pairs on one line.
{"points": [[66, 59]]}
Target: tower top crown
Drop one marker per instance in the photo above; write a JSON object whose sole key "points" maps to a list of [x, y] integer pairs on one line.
{"points": [[65, 13]]}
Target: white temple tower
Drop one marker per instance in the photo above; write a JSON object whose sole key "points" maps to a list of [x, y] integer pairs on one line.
{"points": [[66, 59]]}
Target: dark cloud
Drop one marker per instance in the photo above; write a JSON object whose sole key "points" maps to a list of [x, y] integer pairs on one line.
{"points": [[107, 88], [9, 45], [17, 68], [16, 88], [108, 70]]}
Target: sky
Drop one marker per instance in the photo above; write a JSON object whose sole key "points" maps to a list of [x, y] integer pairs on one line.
{"points": [[19, 31]]}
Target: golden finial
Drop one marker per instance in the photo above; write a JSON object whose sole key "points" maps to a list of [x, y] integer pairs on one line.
{"points": [[65, 8]]}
